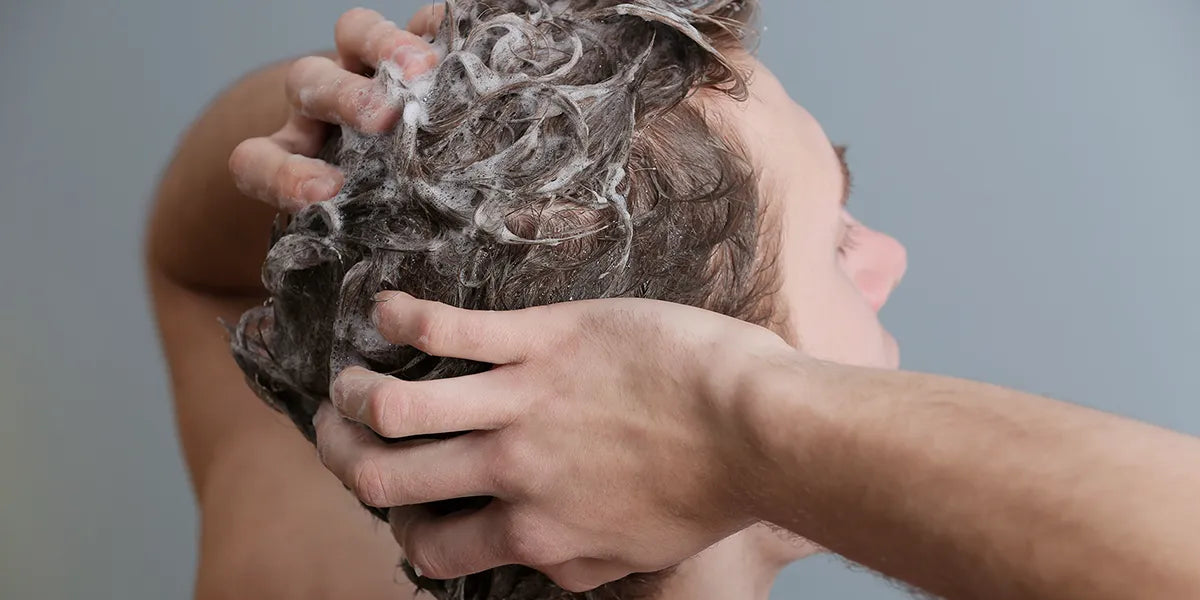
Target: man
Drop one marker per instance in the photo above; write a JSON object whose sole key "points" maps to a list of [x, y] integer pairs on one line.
{"points": [[716, 208], [590, 163], [844, 487]]}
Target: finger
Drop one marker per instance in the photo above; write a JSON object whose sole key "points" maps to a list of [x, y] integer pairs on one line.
{"points": [[365, 40], [394, 408], [389, 45], [455, 545], [497, 337], [350, 36], [427, 20], [386, 475], [321, 90], [269, 170], [585, 574], [301, 135]]}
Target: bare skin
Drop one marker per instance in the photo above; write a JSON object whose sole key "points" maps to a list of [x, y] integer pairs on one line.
{"points": [[963, 489], [274, 522], [258, 483], [960, 488]]}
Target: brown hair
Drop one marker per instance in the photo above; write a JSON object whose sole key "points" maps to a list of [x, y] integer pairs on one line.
{"points": [[557, 153]]}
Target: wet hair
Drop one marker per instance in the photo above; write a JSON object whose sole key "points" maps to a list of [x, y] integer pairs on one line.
{"points": [[559, 151]]}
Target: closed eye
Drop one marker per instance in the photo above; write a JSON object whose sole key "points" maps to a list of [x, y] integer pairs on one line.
{"points": [[851, 232]]}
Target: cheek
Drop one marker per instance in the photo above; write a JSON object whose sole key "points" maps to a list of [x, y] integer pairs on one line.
{"points": [[834, 322]]}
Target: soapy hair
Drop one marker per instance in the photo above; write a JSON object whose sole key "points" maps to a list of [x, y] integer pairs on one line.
{"points": [[556, 153]]}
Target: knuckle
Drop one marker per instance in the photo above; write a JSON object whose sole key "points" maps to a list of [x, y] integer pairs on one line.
{"points": [[428, 330], [526, 543], [354, 104], [385, 409], [524, 548], [509, 470], [288, 181], [526, 469], [367, 483]]}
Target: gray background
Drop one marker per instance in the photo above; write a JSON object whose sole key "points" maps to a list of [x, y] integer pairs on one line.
{"points": [[1038, 157]]}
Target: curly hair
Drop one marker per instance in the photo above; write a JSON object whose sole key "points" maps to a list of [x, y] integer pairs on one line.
{"points": [[557, 152]]}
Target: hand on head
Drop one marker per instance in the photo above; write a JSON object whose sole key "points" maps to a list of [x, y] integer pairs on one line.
{"points": [[280, 169], [592, 456]]}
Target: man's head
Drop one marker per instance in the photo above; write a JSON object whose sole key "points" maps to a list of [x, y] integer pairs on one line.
{"points": [[563, 151]]}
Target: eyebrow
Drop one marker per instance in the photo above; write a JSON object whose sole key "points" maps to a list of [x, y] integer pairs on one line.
{"points": [[847, 178]]}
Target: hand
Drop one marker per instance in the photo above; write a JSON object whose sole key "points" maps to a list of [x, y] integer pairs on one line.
{"points": [[280, 169], [607, 434]]}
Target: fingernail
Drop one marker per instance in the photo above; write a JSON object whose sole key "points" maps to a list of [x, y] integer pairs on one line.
{"points": [[365, 99], [353, 382], [346, 379], [412, 61], [380, 298], [320, 189], [320, 414], [399, 57], [385, 295], [376, 112]]}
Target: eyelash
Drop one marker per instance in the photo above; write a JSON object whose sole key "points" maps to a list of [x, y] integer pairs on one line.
{"points": [[849, 239]]}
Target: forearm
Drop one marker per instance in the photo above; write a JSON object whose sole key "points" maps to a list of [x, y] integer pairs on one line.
{"points": [[205, 244], [274, 522], [974, 491], [214, 409]]}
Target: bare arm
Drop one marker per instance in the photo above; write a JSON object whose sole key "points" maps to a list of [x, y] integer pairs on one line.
{"points": [[683, 426], [975, 491], [274, 523]]}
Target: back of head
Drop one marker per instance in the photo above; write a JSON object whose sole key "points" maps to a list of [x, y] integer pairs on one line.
{"points": [[555, 154]]}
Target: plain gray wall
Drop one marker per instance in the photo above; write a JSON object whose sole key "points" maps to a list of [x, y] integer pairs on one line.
{"points": [[1038, 157]]}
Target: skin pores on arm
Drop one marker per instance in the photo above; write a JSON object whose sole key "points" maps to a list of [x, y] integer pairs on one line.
{"points": [[969, 490], [274, 523]]}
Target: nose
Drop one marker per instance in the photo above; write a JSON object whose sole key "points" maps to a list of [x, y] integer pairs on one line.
{"points": [[896, 255], [887, 261]]}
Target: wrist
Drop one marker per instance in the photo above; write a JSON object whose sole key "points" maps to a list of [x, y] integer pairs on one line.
{"points": [[792, 426], [769, 389]]}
